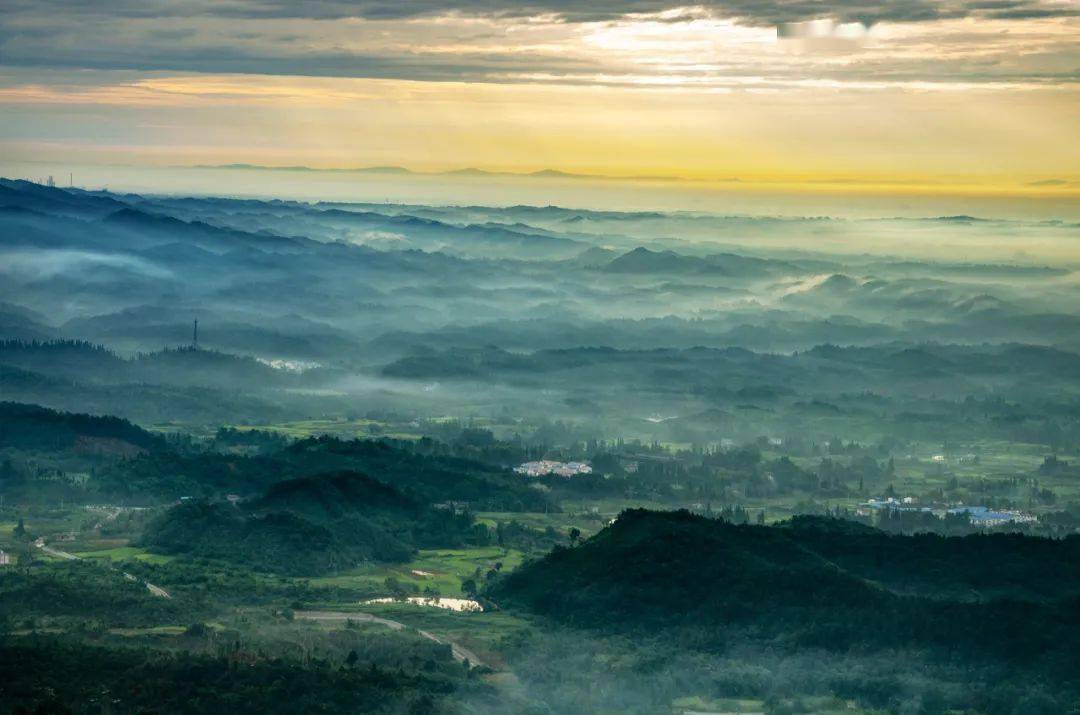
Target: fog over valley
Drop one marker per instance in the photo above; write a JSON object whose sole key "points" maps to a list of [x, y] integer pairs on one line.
{"points": [[412, 306]]}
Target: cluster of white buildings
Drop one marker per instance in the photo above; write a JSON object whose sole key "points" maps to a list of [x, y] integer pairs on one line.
{"points": [[979, 515], [984, 516], [546, 466]]}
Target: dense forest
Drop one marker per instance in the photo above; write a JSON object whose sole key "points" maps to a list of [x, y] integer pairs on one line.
{"points": [[125, 680]]}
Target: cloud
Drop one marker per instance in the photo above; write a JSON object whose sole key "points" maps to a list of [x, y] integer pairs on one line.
{"points": [[722, 45], [1050, 182], [757, 12], [222, 59], [43, 264]]}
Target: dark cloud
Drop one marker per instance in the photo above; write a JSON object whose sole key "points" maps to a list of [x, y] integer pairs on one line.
{"points": [[1024, 13], [236, 60], [278, 37], [757, 12], [179, 33]]}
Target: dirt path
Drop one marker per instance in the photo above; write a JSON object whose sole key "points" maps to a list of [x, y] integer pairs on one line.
{"points": [[40, 543], [460, 653], [156, 590]]}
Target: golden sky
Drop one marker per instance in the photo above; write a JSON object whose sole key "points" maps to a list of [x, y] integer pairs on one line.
{"points": [[905, 96]]}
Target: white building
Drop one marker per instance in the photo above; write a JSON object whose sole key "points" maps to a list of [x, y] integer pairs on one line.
{"points": [[545, 467]]}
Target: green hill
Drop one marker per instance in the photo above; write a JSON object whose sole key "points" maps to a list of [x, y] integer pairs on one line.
{"points": [[335, 495], [802, 584], [30, 427], [279, 542], [426, 478], [651, 569], [313, 525], [977, 567]]}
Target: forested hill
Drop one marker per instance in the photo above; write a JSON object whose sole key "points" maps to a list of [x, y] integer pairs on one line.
{"points": [[332, 496], [427, 478], [663, 567], [33, 427], [278, 542], [976, 567], [313, 525], [671, 568], [674, 572]]}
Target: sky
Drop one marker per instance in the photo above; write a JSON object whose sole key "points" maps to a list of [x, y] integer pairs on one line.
{"points": [[901, 96]]}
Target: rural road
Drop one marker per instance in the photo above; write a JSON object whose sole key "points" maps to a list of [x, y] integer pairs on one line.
{"points": [[40, 543], [156, 590], [460, 653]]}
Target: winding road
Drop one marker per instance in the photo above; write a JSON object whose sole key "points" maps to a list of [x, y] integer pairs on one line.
{"points": [[156, 590], [460, 653]]}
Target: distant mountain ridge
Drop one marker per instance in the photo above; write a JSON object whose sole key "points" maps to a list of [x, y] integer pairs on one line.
{"points": [[465, 172]]}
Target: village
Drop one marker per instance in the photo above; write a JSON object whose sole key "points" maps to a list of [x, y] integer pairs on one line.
{"points": [[979, 516], [544, 467]]}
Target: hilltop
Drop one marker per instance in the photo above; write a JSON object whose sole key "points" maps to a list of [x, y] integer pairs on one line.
{"points": [[332, 496]]}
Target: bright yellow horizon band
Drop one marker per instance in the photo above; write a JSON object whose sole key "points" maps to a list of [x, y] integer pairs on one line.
{"points": [[895, 140]]}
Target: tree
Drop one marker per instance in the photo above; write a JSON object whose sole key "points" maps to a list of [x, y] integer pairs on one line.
{"points": [[8, 474], [197, 630], [397, 590]]}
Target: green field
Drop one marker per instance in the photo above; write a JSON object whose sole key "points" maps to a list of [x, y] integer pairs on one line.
{"points": [[151, 631], [576, 515], [124, 553], [439, 569], [483, 632], [344, 428]]}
